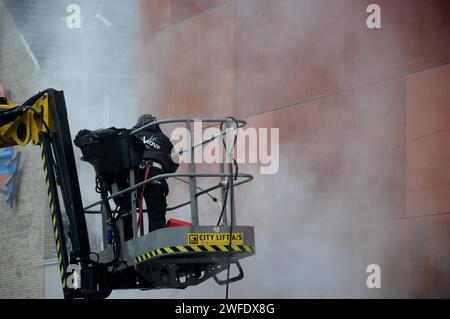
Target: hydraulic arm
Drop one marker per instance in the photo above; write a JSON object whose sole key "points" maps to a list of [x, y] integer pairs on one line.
{"points": [[42, 120]]}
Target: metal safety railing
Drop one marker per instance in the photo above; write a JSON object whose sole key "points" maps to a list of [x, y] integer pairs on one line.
{"points": [[225, 171]]}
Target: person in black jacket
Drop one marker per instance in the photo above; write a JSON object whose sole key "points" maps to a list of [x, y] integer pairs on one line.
{"points": [[157, 160]]}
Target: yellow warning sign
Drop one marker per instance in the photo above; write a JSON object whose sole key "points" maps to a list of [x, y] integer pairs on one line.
{"points": [[215, 239]]}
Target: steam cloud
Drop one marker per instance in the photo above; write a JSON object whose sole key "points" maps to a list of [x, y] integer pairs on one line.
{"points": [[318, 221]]}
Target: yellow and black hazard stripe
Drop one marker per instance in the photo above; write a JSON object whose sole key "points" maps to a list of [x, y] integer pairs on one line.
{"points": [[194, 249], [53, 216]]}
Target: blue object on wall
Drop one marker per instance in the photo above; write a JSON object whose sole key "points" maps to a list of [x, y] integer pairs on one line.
{"points": [[9, 164]]}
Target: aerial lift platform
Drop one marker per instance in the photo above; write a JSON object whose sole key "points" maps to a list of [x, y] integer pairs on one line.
{"points": [[172, 257]]}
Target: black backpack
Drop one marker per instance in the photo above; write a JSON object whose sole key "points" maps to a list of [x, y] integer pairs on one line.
{"points": [[111, 151]]}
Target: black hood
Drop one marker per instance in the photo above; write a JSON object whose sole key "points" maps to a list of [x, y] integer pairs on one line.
{"points": [[147, 119]]}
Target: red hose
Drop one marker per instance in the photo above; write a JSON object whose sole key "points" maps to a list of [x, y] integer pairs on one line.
{"points": [[141, 201]]}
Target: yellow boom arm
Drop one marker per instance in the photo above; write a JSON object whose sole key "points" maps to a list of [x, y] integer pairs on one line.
{"points": [[20, 124]]}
